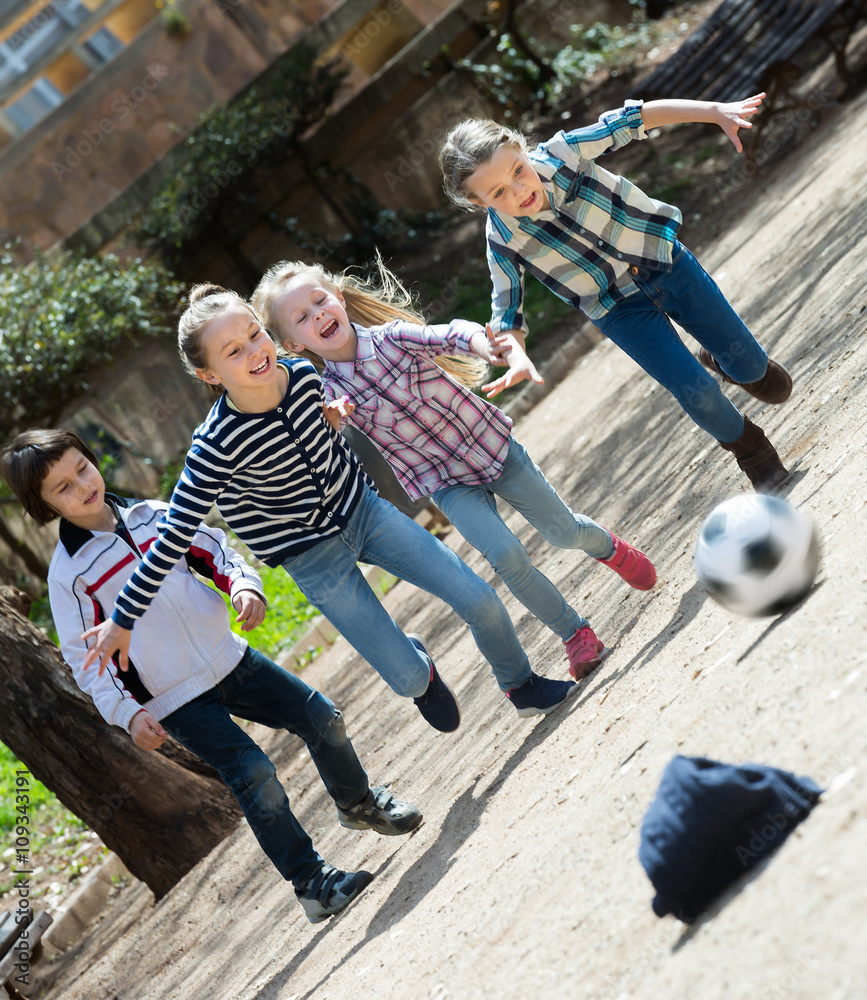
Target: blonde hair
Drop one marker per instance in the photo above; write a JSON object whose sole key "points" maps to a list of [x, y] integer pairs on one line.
{"points": [[369, 302], [469, 146], [206, 302]]}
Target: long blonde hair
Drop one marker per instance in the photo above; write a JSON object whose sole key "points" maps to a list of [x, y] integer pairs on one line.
{"points": [[369, 302]]}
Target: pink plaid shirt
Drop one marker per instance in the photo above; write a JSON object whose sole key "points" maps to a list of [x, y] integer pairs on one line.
{"points": [[433, 431]]}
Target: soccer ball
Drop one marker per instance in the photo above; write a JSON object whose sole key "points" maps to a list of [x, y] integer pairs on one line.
{"points": [[756, 555]]}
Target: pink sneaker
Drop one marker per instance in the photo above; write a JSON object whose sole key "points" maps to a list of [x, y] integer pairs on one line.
{"points": [[634, 566], [585, 652]]}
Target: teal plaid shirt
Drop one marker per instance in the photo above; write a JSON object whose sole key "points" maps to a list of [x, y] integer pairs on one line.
{"points": [[598, 224]]}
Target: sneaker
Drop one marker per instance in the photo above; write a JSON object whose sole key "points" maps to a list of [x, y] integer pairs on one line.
{"points": [[539, 695], [585, 652], [630, 564], [382, 812], [330, 891], [438, 705]]}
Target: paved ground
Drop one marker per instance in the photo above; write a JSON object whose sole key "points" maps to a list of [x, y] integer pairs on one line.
{"points": [[523, 882]]}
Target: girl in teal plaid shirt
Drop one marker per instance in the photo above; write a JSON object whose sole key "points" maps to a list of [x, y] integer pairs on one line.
{"points": [[603, 245]]}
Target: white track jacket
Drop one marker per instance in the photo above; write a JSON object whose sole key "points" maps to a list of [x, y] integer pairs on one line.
{"points": [[182, 647]]}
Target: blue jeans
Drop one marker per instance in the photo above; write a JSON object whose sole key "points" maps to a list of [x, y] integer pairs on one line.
{"points": [[262, 692], [473, 511], [379, 534], [640, 325]]}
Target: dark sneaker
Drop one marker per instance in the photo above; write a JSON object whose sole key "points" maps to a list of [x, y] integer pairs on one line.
{"points": [[438, 705], [539, 695], [382, 812], [329, 891]]}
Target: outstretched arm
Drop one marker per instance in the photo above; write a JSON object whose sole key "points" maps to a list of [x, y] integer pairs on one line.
{"points": [[730, 117]]}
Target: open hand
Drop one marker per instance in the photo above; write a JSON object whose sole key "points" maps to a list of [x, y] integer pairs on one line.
{"points": [[110, 639], [520, 370], [734, 116]]}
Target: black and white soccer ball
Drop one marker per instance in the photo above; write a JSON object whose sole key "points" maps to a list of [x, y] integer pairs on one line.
{"points": [[757, 555]]}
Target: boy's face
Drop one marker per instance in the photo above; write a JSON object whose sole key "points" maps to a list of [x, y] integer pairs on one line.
{"points": [[508, 183], [313, 318], [75, 489], [240, 355]]}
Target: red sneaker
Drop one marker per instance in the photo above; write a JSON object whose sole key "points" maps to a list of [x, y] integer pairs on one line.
{"points": [[585, 652], [634, 566]]}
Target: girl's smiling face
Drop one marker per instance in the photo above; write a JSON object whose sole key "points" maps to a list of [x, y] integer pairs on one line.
{"points": [[313, 318], [75, 489], [241, 357], [508, 183]]}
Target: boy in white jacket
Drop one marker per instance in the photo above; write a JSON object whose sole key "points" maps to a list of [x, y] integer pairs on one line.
{"points": [[188, 672]]}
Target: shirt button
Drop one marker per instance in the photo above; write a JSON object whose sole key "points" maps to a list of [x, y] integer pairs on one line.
{"points": [[582, 231], [601, 243], [279, 409], [297, 440], [328, 514], [620, 256]]}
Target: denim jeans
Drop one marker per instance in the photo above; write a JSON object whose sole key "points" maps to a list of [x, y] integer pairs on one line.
{"points": [[473, 511], [640, 325], [379, 534], [262, 692]]}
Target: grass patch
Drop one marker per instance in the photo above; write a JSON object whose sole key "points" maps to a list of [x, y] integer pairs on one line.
{"points": [[53, 829], [288, 612], [39, 794]]}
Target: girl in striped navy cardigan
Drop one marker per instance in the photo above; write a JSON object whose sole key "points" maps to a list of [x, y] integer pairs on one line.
{"points": [[286, 483]]}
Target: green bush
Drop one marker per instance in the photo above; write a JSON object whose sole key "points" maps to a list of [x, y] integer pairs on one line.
{"points": [[63, 318]]}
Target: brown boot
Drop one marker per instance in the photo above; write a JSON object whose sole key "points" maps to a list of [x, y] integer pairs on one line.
{"points": [[758, 458], [775, 386]]}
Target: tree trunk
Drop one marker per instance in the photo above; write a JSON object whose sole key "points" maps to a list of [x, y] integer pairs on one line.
{"points": [[156, 815], [32, 561]]}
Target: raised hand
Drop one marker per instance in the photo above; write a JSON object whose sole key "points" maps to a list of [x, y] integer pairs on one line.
{"points": [[733, 116]]}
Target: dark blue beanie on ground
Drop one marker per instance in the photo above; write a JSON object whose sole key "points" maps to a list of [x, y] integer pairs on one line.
{"points": [[711, 822]]}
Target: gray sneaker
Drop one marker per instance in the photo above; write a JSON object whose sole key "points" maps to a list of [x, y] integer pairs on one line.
{"points": [[382, 812], [329, 891]]}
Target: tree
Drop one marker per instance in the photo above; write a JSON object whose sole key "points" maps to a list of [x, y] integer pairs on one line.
{"points": [[159, 812], [60, 319], [63, 317]]}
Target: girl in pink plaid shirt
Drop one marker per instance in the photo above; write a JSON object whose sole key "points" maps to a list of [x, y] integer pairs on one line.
{"points": [[398, 381]]}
